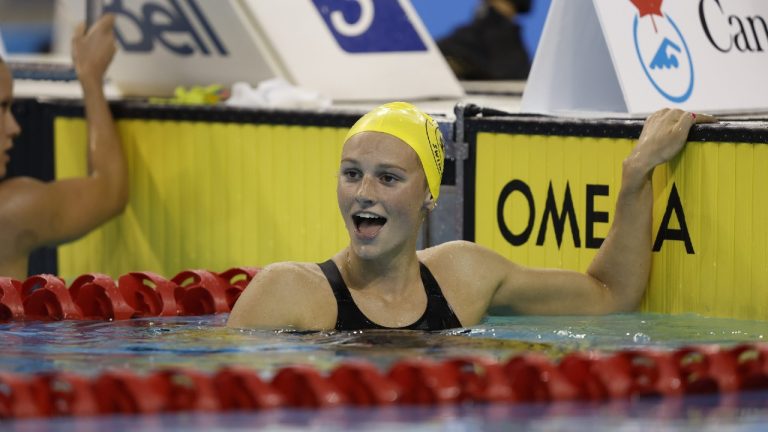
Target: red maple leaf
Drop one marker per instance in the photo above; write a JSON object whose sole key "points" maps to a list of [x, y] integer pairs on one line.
{"points": [[649, 7]]}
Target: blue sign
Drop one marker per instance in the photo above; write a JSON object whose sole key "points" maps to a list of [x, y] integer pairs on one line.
{"points": [[370, 26], [167, 23]]}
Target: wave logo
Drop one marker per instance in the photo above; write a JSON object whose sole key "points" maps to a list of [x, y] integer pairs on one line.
{"points": [[663, 52], [366, 26]]}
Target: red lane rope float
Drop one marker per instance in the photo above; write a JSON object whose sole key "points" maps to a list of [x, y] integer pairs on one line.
{"points": [[525, 378], [96, 296], [11, 307], [149, 294], [201, 292]]}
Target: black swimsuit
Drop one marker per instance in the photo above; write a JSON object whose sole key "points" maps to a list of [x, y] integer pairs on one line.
{"points": [[437, 316]]}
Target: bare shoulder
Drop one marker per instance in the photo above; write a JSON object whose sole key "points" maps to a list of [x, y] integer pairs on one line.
{"points": [[18, 188], [468, 275], [288, 279], [286, 294], [23, 209], [26, 200], [288, 272], [458, 253]]}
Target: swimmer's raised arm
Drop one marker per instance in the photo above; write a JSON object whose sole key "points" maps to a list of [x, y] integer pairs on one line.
{"points": [[67, 209], [285, 296], [617, 277]]}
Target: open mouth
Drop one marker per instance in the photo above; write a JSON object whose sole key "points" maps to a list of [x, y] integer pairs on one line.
{"points": [[368, 224]]}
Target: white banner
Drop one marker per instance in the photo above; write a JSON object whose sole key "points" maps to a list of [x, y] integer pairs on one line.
{"points": [[633, 57]]}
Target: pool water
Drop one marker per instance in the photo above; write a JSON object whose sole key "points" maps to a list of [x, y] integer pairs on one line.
{"points": [[204, 343]]}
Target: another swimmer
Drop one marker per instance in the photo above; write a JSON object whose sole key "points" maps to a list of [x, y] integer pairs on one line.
{"points": [[391, 166], [33, 213]]}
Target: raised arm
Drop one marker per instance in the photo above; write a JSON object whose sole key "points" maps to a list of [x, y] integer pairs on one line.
{"points": [[617, 277], [66, 209]]}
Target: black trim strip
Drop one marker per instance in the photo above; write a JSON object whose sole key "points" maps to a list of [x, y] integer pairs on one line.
{"points": [[752, 132], [214, 113]]}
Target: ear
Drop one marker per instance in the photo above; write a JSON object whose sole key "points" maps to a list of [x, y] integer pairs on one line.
{"points": [[429, 203]]}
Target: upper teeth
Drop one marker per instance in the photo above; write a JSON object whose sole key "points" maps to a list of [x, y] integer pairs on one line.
{"points": [[367, 215]]}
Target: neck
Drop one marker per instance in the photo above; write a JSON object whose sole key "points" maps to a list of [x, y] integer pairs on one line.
{"points": [[391, 276]]}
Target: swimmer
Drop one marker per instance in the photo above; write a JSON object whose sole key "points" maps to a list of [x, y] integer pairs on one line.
{"points": [[34, 213], [388, 182]]}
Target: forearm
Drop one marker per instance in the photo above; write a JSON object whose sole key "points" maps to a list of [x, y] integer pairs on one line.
{"points": [[623, 262], [107, 163]]}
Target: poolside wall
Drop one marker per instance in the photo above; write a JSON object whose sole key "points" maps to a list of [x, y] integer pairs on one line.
{"points": [[544, 193], [211, 195], [209, 190]]}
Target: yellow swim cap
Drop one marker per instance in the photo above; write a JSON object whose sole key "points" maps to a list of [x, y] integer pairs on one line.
{"points": [[415, 128]]}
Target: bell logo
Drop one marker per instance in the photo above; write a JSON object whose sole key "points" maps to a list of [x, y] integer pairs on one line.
{"points": [[369, 26], [662, 51], [183, 31]]}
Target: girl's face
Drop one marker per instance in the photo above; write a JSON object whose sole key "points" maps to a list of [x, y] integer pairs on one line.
{"points": [[382, 193]]}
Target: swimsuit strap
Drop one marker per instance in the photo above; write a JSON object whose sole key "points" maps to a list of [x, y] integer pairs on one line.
{"points": [[348, 315], [437, 316]]}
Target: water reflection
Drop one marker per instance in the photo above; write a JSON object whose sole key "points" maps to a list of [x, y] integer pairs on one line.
{"points": [[205, 343]]}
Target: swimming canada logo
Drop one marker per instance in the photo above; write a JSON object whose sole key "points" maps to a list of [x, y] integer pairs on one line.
{"points": [[662, 51], [369, 26]]}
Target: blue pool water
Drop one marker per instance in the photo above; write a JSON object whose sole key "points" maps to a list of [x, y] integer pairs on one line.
{"points": [[204, 343]]}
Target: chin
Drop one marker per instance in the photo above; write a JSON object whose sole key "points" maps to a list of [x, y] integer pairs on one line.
{"points": [[365, 251]]}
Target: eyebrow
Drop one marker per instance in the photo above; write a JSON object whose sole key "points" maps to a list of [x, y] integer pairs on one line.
{"points": [[378, 166]]}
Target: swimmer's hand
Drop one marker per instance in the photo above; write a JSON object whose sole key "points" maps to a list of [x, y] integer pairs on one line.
{"points": [[92, 52], [663, 136]]}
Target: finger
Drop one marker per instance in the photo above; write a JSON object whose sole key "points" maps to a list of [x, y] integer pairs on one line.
{"points": [[659, 113], [80, 29], [705, 118], [104, 24]]}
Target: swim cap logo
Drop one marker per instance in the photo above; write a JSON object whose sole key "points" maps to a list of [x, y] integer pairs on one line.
{"points": [[663, 52], [436, 144], [367, 26]]}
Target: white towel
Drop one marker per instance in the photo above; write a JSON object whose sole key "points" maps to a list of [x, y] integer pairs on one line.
{"points": [[276, 93]]}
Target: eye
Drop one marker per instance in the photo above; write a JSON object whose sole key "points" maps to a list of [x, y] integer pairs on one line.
{"points": [[389, 178], [350, 174]]}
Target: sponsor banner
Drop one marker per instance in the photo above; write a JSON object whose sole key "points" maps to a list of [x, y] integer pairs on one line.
{"points": [[548, 201], [167, 43], [356, 49], [635, 56]]}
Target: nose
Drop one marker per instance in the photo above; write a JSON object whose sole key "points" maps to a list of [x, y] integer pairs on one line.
{"points": [[12, 128], [365, 192]]}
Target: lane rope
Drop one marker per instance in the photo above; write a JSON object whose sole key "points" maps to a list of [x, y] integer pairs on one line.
{"points": [[521, 379]]}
